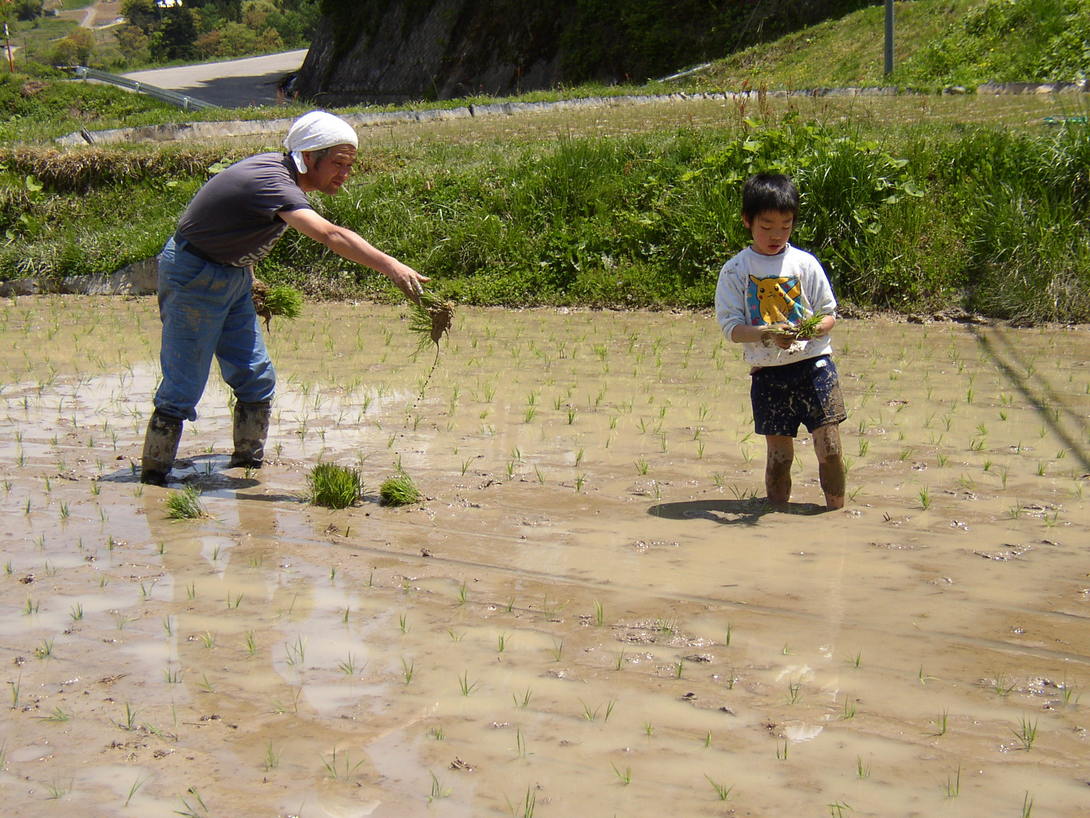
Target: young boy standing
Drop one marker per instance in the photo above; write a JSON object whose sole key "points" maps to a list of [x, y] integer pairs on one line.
{"points": [[763, 295]]}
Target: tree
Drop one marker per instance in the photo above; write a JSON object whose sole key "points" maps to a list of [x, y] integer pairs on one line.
{"points": [[176, 38], [28, 9], [132, 43], [75, 49], [143, 14]]}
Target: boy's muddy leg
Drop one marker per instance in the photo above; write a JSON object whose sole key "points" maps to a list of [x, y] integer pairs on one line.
{"points": [[781, 454], [830, 464]]}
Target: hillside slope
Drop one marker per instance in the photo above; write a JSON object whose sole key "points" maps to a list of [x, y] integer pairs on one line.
{"points": [[938, 43]]}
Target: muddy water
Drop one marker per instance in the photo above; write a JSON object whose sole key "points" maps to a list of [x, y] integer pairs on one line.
{"points": [[591, 614]]}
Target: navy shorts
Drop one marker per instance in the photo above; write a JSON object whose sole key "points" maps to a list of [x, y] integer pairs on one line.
{"points": [[806, 392]]}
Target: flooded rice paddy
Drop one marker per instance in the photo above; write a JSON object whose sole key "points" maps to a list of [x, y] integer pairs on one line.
{"points": [[592, 613]]}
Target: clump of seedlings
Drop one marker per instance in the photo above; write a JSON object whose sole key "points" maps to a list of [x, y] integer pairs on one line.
{"points": [[334, 486], [278, 300], [399, 490], [185, 504]]}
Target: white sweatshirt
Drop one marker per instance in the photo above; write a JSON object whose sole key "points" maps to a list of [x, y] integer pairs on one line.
{"points": [[757, 290]]}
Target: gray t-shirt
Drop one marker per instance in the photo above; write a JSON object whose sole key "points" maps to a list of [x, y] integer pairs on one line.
{"points": [[234, 218]]}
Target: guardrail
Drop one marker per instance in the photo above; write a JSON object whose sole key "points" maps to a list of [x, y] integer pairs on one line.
{"points": [[183, 101]]}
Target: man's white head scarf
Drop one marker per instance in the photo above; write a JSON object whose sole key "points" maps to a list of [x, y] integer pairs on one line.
{"points": [[316, 131]]}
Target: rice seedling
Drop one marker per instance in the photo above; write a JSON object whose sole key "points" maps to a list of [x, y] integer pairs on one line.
{"points": [[399, 490], [466, 686], [30, 607], [431, 319], [437, 789], [437, 733], [520, 744], [16, 689], [624, 777], [57, 790], [76, 613], [403, 623], [58, 715], [925, 498], [185, 504], [522, 702], [1069, 694], [861, 770], [953, 783], [136, 785], [849, 710], [1027, 806], [590, 713], [648, 729], [348, 666], [557, 649], [526, 808], [334, 486], [272, 758], [295, 654], [335, 772], [130, 718], [782, 750], [836, 809], [941, 723], [722, 791], [1026, 732], [794, 692], [501, 642], [408, 670], [44, 650]]}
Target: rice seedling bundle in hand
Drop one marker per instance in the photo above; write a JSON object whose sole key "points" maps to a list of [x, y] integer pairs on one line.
{"points": [[431, 319], [334, 486], [399, 490], [278, 300], [804, 330]]}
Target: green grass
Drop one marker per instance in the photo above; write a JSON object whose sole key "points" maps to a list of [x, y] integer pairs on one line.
{"points": [[923, 218], [845, 52]]}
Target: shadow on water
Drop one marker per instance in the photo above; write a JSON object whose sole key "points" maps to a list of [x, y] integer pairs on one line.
{"points": [[730, 512], [1003, 351]]}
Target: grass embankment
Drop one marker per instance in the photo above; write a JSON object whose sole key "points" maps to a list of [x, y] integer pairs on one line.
{"points": [[923, 217], [937, 43]]}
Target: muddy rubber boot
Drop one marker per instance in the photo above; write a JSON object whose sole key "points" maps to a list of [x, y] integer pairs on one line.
{"points": [[160, 447], [251, 429]]}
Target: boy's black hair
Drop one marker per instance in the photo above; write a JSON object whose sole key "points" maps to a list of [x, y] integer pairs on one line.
{"points": [[769, 191]]}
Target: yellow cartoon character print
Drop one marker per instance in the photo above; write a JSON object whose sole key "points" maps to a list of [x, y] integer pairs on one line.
{"points": [[774, 300]]}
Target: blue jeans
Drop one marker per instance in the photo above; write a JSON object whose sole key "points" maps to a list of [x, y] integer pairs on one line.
{"points": [[207, 309]]}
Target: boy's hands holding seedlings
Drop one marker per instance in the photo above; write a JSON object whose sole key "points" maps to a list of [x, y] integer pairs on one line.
{"points": [[782, 335], [786, 334]]}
